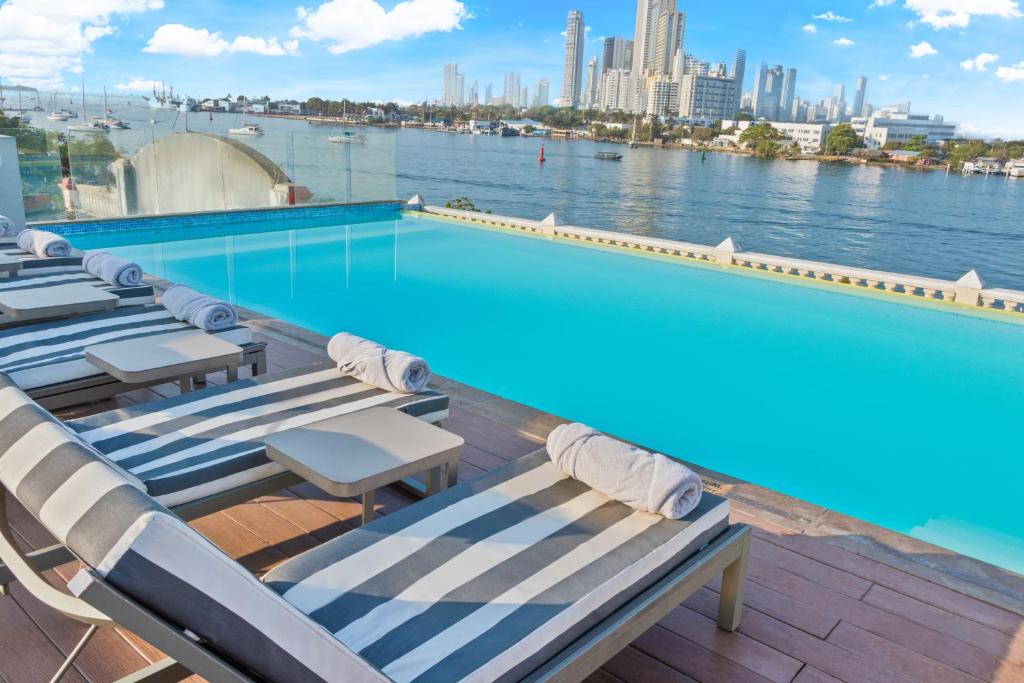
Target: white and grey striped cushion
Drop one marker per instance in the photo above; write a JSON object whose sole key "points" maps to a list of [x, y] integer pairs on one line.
{"points": [[33, 264], [48, 353], [104, 517], [127, 296], [492, 578], [202, 443]]}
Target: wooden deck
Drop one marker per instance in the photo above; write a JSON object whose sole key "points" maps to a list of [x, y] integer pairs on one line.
{"points": [[821, 606]]}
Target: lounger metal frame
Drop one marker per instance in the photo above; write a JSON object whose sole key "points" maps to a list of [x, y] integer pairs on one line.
{"points": [[100, 604], [100, 387]]}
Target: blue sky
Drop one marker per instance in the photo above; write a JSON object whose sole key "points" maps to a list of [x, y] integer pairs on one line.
{"points": [[962, 58]]}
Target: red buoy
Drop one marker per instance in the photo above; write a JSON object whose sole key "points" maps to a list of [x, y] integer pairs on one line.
{"points": [[541, 158]]}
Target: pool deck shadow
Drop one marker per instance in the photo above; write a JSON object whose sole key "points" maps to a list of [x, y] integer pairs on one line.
{"points": [[829, 598]]}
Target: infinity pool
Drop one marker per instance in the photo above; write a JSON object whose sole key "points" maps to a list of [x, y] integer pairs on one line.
{"points": [[903, 414]]}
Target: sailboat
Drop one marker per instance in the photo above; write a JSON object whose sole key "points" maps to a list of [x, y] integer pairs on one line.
{"points": [[55, 115], [246, 129], [111, 120], [86, 127]]}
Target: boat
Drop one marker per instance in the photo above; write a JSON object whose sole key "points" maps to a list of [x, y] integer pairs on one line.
{"points": [[68, 114], [1015, 168], [111, 121], [24, 119], [348, 139], [608, 156], [246, 128], [94, 127], [57, 116]]}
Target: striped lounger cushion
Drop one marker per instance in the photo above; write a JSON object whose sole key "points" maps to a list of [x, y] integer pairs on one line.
{"points": [[101, 515], [206, 442], [492, 578], [33, 264], [127, 296], [46, 353]]}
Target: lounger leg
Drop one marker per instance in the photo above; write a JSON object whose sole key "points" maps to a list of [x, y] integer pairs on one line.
{"points": [[452, 472], [232, 373], [434, 481], [734, 579], [185, 382], [368, 511], [259, 362], [74, 654]]}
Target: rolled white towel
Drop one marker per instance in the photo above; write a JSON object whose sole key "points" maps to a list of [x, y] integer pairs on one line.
{"points": [[43, 244], [642, 480], [7, 227], [112, 269], [374, 364], [200, 310]]}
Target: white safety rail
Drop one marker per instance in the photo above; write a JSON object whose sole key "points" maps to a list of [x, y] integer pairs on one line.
{"points": [[969, 290]]}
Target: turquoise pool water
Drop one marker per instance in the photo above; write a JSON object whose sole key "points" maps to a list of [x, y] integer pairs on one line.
{"points": [[905, 415]]}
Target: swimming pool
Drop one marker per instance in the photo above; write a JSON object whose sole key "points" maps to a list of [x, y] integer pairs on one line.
{"points": [[900, 413]]}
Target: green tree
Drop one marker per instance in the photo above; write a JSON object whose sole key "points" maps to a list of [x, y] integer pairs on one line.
{"points": [[463, 204], [763, 139], [841, 140], [701, 134], [916, 143], [744, 116]]}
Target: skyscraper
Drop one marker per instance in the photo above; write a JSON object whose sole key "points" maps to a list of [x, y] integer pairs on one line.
{"points": [[512, 90], [524, 96], [618, 54], [668, 38], [572, 74], [837, 105], [768, 92], [474, 94], [739, 71], [541, 97], [645, 37], [757, 95], [488, 94], [788, 92], [593, 84], [453, 86], [858, 97]]}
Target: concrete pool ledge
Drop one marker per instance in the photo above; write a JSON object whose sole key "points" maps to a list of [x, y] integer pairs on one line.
{"points": [[797, 521], [967, 294]]}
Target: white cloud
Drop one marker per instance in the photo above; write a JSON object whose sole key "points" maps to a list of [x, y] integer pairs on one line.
{"points": [[843, 42], [922, 49], [940, 14], [980, 62], [136, 84], [810, 28], [178, 39], [832, 16], [883, 77], [43, 39], [1011, 73], [881, 3], [357, 24]]}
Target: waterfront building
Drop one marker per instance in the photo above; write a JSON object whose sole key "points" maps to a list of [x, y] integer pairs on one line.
{"points": [[810, 136], [739, 72], [589, 98], [620, 91], [668, 39], [693, 65], [893, 128], [662, 95], [746, 102], [452, 95], [541, 96], [768, 87], [618, 54], [788, 93], [706, 99], [572, 73], [512, 89], [647, 13], [489, 94], [858, 96], [837, 105]]}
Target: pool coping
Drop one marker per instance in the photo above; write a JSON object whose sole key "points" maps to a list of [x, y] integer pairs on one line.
{"points": [[976, 578]]}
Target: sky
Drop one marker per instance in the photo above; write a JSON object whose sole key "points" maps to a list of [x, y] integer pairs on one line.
{"points": [[961, 58]]}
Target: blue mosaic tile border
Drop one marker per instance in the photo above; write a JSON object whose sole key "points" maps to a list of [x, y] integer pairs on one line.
{"points": [[71, 228]]}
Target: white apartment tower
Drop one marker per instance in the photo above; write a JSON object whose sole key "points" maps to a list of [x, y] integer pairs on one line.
{"points": [[590, 92], [541, 96], [858, 96], [453, 86], [572, 74]]}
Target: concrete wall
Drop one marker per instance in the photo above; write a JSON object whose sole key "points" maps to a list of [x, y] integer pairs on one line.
{"points": [[202, 172], [11, 203]]}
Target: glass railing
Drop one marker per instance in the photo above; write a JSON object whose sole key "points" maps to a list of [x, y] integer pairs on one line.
{"points": [[166, 161], [39, 164]]}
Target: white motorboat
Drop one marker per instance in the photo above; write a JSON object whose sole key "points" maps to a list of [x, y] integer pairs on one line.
{"points": [[57, 116], [247, 129], [94, 127], [1015, 168], [348, 139]]}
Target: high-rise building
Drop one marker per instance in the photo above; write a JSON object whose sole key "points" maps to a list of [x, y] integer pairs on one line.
{"points": [[739, 71], [788, 93], [474, 94], [589, 100], [627, 54], [757, 94], [489, 94], [706, 99], [858, 96], [524, 96], [453, 86], [837, 105], [692, 65], [645, 35], [512, 90], [572, 73], [618, 54], [620, 91], [668, 38], [768, 92], [541, 98], [662, 96]]}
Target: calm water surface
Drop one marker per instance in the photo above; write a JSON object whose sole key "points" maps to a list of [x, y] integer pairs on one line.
{"points": [[927, 223]]}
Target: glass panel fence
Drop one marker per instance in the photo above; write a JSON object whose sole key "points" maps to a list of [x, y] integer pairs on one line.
{"points": [[39, 164]]}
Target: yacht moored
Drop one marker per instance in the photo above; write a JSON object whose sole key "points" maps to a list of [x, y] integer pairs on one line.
{"points": [[348, 139]]}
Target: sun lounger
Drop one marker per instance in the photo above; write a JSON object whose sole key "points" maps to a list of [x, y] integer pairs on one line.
{"points": [[32, 264], [48, 359], [127, 296], [521, 574]]}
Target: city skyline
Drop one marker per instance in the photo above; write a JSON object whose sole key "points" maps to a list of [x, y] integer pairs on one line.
{"points": [[930, 53]]}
